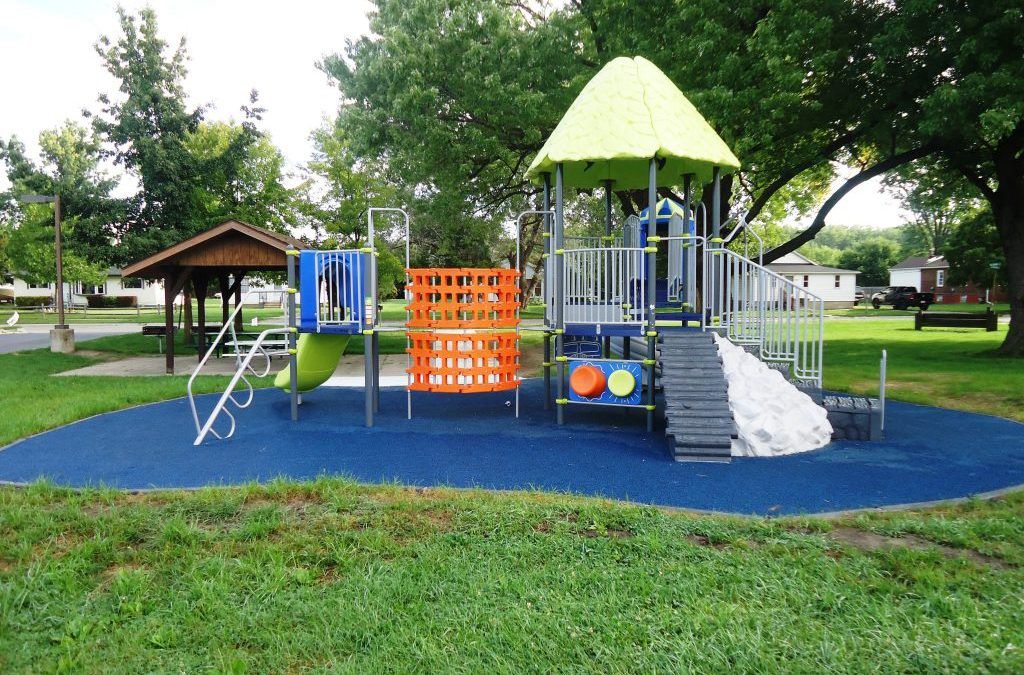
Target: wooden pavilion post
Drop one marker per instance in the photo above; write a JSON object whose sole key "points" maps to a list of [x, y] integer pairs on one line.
{"points": [[169, 323], [225, 297], [239, 275], [200, 281]]}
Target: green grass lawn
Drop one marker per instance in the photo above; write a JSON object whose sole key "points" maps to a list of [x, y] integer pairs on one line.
{"points": [[34, 401], [866, 310], [335, 576], [949, 367]]}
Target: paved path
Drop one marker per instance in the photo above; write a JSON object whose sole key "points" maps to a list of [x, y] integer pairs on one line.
{"points": [[35, 336]]}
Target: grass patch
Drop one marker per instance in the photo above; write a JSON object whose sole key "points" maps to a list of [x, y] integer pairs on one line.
{"points": [[35, 401], [949, 367], [869, 311], [336, 576]]}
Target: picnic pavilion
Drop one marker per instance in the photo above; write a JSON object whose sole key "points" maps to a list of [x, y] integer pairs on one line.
{"points": [[224, 255]]}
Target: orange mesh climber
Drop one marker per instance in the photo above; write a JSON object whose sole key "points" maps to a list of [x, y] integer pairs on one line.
{"points": [[463, 298], [462, 363]]}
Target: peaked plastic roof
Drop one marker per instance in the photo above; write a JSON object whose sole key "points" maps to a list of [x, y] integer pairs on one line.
{"points": [[628, 113]]}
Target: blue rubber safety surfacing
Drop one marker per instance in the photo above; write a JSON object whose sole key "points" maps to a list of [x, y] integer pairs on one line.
{"points": [[474, 441]]}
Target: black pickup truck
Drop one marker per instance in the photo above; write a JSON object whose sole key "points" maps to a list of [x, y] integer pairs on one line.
{"points": [[902, 297]]}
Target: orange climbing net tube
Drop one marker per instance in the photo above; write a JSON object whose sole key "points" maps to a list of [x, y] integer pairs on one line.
{"points": [[462, 329], [463, 363], [463, 298]]}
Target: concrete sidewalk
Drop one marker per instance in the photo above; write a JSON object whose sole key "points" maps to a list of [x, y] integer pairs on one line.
{"points": [[37, 335]]}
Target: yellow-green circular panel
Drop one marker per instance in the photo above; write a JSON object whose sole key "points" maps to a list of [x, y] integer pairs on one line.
{"points": [[621, 383]]}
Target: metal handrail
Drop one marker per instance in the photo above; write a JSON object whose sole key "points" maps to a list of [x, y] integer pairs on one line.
{"points": [[228, 325], [759, 307], [228, 394]]}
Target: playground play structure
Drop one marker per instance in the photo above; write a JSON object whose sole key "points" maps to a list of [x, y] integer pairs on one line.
{"points": [[616, 331]]}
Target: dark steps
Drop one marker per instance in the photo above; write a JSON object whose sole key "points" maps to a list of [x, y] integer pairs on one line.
{"points": [[698, 421]]}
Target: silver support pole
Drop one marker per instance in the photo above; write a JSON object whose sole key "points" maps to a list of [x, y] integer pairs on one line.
{"points": [[716, 240], [548, 260], [607, 348], [882, 366], [293, 357], [691, 301], [369, 321], [559, 243], [652, 261]]}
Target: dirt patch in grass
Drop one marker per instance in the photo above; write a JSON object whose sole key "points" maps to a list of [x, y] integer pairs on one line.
{"points": [[701, 540], [871, 541]]}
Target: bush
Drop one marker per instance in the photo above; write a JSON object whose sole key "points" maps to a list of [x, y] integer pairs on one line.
{"points": [[32, 300], [110, 301]]}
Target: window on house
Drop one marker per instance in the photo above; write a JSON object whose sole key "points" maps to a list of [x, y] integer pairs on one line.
{"points": [[40, 286], [940, 278], [90, 289], [6, 279], [132, 282], [837, 281], [807, 281]]}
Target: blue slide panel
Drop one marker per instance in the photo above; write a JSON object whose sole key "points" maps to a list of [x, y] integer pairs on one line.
{"points": [[339, 275]]}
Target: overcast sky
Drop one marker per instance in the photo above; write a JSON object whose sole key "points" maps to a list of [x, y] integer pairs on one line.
{"points": [[50, 71]]}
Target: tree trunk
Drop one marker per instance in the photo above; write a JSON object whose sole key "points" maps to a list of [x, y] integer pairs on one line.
{"points": [[1009, 213]]}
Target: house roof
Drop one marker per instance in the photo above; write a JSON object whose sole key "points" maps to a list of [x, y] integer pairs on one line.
{"points": [[804, 268], [157, 264], [629, 113], [921, 262]]}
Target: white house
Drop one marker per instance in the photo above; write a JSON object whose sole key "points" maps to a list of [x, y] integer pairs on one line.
{"points": [[146, 293], [835, 286]]}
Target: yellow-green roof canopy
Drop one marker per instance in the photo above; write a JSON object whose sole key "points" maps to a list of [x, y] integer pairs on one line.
{"points": [[628, 113]]}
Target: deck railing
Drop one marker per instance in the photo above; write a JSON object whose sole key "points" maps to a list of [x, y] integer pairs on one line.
{"points": [[755, 306], [604, 286]]}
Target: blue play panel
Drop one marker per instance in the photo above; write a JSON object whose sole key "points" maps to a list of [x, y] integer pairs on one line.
{"points": [[474, 441]]}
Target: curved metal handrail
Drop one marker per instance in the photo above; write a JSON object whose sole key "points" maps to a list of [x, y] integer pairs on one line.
{"points": [[228, 325], [228, 394]]}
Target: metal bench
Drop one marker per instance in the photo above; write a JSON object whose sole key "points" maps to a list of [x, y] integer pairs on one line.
{"points": [[988, 320]]}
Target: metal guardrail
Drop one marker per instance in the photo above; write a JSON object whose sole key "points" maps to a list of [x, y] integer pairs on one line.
{"points": [[604, 286], [759, 307]]}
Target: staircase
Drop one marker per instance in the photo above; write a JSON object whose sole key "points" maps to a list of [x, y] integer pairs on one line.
{"points": [[698, 421]]}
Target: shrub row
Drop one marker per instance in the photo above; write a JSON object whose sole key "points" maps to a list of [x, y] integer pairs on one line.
{"points": [[100, 301]]}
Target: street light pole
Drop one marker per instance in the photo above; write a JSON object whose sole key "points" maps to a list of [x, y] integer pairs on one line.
{"points": [[60, 262], [62, 338]]}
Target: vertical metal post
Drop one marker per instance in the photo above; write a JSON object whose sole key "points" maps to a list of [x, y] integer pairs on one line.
{"points": [[690, 302], [882, 366], [607, 348], [559, 243], [370, 310], [293, 357], [652, 258], [58, 251], [716, 243], [548, 261]]}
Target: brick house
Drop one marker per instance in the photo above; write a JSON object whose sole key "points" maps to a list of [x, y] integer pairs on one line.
{"points": [[930, 274]]}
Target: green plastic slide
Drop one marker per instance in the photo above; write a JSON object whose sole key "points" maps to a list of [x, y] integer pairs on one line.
{"points": [[317, 357]]}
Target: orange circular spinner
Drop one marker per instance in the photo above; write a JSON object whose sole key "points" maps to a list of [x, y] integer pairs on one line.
{"points": [[587, 381]]}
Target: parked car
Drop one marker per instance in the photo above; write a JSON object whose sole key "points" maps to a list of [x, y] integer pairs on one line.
{"points": [[902, 297], [858, 296]]}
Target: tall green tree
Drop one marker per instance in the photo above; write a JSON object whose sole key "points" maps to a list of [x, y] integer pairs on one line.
{"points": [[147, 124], [872, 258], [243, 178], [974, 249], [70, 167]]}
